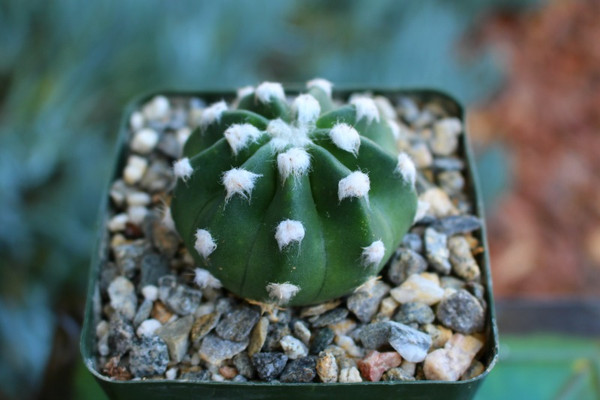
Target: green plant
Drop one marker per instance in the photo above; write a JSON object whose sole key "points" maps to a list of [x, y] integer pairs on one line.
{"points": [[293, 204]]}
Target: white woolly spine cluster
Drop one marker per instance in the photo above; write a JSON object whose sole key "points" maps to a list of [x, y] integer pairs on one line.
{"points": [[295, 161], [244, 91], [205, 243], [183, 169], [289, 231], [205, 279], [395, 128], [373, 254], [268, 90], [345, 137], [306, 109], [213, 113], [406, 168], [239, 181], [282, 293], [240, 135], [365, 108], [357, 184], [320, 83], [284, 135]]}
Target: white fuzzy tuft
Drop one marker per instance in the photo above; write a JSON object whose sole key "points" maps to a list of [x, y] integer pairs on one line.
{"points": [[373, 254], [239, 181], [365, 108], [282, 292], [406, 168], [205, 279], [289, 231], [268, 90], [345, 137], [322, 84], [244, 91], [213, 113], [395, 128], [295, 161], [284, 135], [240, 135], [183, 169], [306, 109], [356, 184], [205, 243]]}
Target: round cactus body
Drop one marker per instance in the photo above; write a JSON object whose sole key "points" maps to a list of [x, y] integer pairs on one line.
{"points": [[293, 203]]}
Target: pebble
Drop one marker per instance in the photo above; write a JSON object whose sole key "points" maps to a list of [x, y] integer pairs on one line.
{"points": [[228, 372], [102, 332], [349, 375], [319, 308], [269, 365], [150, 292], [302, 332], [452, 282], [157, 109], [144, 141], [243, 363], [136, 215], [128, 256], [448, 164], [169, 145], [475, 369], [143, 312], [436, 250], [135, 169], [162, 236], [477, 290], [461, 312], [413, 242], [327, 367], [148, 356], [322, 339], [364, 303], [181, 299], [406, 262], [195, 374], [118, 222], [237, 325], [299, 370], [158, 177], [452, 182], [136, 121], [214, 350], [293, 348], [148, 327], [449, 363], [420, 154], [259, 336], [171, 374], [457, 224], [445, 136], [239, 378], [461, 258], [439, 335], [160, 312], [375, 364], [343, 327], [410, 343], [202, 326], [122, 297], [397, 374], [408, 109], [175, 334], [349, 346], [409, 367], [387, 307], [275, 333], [418, 288], [440, 204], [413, 312]]}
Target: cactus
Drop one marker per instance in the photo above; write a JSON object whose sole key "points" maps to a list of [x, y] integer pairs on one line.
{"points": [[293, 202]]}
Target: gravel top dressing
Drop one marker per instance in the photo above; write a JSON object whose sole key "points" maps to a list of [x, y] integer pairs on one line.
{"points": [[163, 316]]}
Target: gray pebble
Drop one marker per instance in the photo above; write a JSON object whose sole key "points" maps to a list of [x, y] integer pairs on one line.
{"points": [[269, 365], [239, 378], [158, 177], [452, 182], [413, 242], [169, 146], [181, 299], [448, 164], [243, 364], [195, 374], [405, 263], [148, 356], [120, 334], [162, 237], [320, 341], [300, 370], [237, 325], [175, 334], [410, 343], [214, 349], [108, 272], [275, 333], [457, 224], [397, 374], [419, 313], [461, 312], [301, 331], [364, 304], [408, 109], [128, 256], [143, 312], [225, 305], [452, 282], [330, 317], [436, 251], [152, 267], [477, 290]]}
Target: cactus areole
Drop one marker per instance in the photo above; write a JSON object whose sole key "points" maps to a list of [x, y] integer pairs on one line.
{"points": [[297, 201]]}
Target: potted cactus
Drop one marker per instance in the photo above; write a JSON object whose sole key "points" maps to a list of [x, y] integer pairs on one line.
{"points": [[253, 265]]}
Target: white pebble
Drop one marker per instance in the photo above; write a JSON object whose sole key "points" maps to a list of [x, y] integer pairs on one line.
{"points": [[157, 109], [293, 348], [356, 184], [144, 141], [135, 169], [136, 121], [182, 135], [102, 328], [350, 375], [121, 293], [418, 288], [150, 292], [148, 328], [171, 373], [345, 137], [349, 346], [205, 243], [289, 231], [138, 199], [118, 222], [137, 214]]}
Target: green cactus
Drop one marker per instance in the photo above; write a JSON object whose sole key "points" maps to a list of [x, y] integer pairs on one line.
{"points": [[293, 204]]}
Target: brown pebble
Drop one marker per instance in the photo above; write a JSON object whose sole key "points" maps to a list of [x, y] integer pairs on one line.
{"points": [[160, 312], [116, 371], [132, 231], [228, 372]]}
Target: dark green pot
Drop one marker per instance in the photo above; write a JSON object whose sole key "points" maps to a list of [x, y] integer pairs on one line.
{"points": [[164, 389]]}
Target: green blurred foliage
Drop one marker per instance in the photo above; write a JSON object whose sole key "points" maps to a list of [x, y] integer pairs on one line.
{"points": [[67, 68]]}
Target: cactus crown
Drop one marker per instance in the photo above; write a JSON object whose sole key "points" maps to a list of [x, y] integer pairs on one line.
{"points": [[293, 202]]}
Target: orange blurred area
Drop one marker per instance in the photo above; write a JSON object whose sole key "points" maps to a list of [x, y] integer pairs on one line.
{"points": [[545, 232]]}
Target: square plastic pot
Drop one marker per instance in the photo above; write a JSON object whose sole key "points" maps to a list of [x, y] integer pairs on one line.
{"points": [[173, 389]]}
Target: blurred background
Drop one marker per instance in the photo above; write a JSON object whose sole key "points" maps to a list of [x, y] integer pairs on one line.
{"points": [[527, 70]]}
